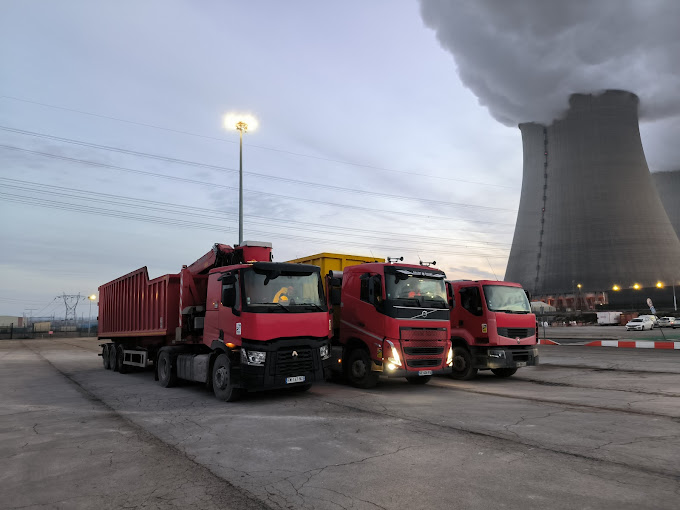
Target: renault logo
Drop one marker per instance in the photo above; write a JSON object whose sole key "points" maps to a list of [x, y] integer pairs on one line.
{"points": [[517, 339], [295, 354]]}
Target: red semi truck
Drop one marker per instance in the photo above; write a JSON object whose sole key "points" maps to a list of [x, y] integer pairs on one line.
{"points": [[391, 320], [232, 320], [492, 328]]}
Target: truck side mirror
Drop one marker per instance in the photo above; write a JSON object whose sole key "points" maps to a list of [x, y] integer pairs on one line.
{"points": [[229, 296], [336, 298]]}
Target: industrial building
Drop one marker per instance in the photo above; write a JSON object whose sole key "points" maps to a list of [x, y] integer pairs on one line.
{"points": [[590, 217]]}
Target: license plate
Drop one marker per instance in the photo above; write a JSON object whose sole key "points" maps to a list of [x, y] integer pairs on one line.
{"points": [[521, 364], [424, 372], [298, 378]]}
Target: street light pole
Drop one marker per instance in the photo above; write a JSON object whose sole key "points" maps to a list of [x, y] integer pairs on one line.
{"points": [[241, 126], [241, 123], [91, 297]]}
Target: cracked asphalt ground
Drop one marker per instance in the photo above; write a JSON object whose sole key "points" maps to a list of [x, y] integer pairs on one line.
{"points": [[590, 428]]}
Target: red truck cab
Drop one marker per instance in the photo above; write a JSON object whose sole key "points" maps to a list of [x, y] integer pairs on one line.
{"points": [[274, 318], [391, 320], [492, 328]]}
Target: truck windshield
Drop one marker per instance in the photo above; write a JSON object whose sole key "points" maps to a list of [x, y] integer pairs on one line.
{"points": [[273, 290], [415, 288], [500, 298]]}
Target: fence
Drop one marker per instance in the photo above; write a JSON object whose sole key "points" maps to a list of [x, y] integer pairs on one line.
{"points": [[57, 331]]}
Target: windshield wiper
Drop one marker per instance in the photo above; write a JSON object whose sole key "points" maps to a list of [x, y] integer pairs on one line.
{"points": [[310, 304], [275, 304], [511, 311]]}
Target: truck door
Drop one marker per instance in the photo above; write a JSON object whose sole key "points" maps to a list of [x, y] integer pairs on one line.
{"points": [[230, 309], [363, 320], [471, 312]]}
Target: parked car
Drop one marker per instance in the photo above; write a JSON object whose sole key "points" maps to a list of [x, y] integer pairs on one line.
{"points": [[653, 318], [668, 322], [639, 324]]}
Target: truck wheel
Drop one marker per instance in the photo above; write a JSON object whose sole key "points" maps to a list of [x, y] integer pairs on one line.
{"points": [[463, 369], [166, 375], [112, 357], [123, 369], [105, 357], [358, 370], [419, 380], [221, 378], [503, 372]]}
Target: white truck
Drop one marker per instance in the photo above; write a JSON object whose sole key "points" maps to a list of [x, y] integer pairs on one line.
{"points": [[608, 318]]}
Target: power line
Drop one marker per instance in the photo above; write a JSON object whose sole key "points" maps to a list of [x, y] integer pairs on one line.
{"points": [[215, 185], [284, 151], [108, 198], [297, 182], [204, 226]]}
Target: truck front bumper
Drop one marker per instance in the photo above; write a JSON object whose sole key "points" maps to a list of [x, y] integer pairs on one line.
{"points": [[506, 357], [288, 363], [402, 372]]}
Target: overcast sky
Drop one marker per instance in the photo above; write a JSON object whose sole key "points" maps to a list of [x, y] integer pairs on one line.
{"points": [[113, 154]]}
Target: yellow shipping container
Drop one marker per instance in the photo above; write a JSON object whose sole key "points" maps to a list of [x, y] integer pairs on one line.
{"points": [[334, 261]]}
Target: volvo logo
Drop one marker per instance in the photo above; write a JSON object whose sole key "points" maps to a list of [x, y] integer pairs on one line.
{"points": [[423, 314], [295, 354]]}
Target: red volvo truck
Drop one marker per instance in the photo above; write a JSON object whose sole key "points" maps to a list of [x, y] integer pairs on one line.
{"points": [[232, 320], [492, 328], [390, 320]]}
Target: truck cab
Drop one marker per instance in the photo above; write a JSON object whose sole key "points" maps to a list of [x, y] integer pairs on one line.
{"points": [[492, 328], [272, 321], [391, 320]]}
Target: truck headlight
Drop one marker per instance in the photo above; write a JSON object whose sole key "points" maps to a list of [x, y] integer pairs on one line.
{"points": [[394, 359], [325, 352], [254, 358], [497, 353], [449, 358]]}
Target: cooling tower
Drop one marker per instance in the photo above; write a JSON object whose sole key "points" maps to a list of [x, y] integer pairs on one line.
{"points": [[589, 212], [668, 187]]}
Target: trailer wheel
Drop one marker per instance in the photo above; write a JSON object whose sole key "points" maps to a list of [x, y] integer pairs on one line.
{"points": [[503, 372], [463, 369], [120, 357], [419, 380], [166, 375], [105, 357], [358, 370], [221, 378], [112, 357]]}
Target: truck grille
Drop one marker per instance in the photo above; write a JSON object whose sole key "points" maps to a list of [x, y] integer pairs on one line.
{"points": [[422, 363], [287, 364], [423, 334], [424, 351], [517, 332]]}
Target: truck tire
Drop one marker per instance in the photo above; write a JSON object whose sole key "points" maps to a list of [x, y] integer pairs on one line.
{"points": [[358, 370], [123, 369], [221, 379], [112, 357], [105, 357], [419, 380], [463, 369], [503, 372], [167, 377]]}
